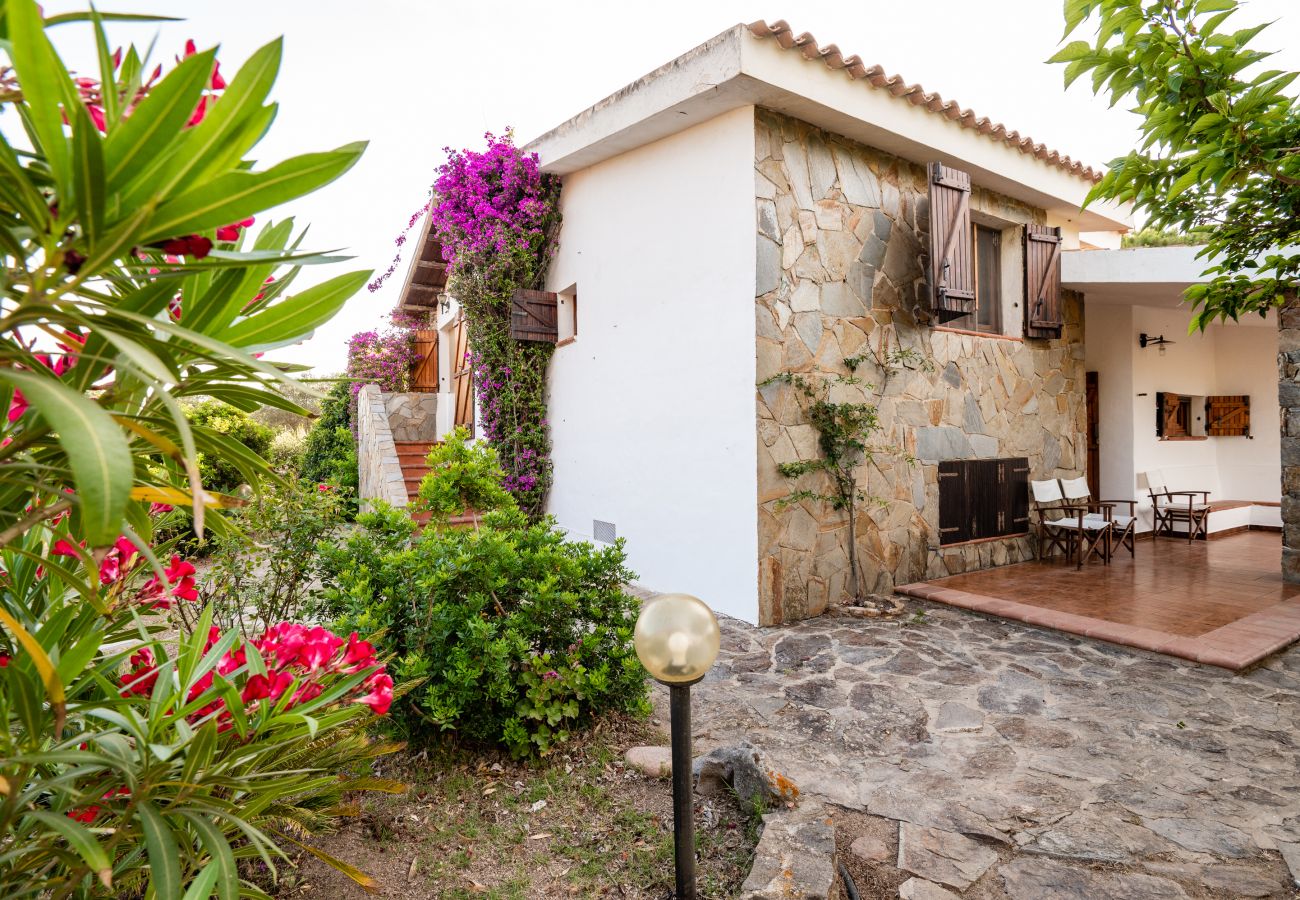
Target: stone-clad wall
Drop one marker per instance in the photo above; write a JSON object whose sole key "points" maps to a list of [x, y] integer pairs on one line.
{"points": [[412, 416], [842, 237], [379, 472]]}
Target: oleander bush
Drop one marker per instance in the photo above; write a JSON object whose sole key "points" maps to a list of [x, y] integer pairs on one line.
{"points": [[516, 636], [133, 763]]}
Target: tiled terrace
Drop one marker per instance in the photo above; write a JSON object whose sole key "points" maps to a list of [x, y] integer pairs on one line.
{"points": [[1221, 602]]}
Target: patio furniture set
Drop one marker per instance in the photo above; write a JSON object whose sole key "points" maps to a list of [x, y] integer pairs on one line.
{"points": [[1082, 528]]}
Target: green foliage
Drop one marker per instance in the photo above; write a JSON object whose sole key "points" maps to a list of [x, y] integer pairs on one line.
{"points": [[463, 478], [265, 572], [287, 449], [846, 432], [131, 283], [517, 635], [1156, 237], [1221, 140], [330, 454], [217, 471]]}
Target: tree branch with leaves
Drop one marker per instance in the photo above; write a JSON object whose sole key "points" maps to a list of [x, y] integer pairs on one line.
{"points": [[1220, 150]]}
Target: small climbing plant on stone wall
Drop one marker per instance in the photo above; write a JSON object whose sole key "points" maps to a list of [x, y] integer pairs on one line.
{"points": [[496, 215], [849, 436]]}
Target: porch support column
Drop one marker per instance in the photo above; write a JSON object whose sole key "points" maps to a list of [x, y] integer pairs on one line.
{"points": [[1288, 373]]}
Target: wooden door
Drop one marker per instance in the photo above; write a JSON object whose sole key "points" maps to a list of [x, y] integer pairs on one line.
{"points": [[1093, 404], [462, 374], [424, 374]]}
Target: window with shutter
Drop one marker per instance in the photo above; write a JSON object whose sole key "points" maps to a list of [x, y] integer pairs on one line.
{"points": [[1173, 415], [534, 316], [952, 264], [1044, 313], [983, 498], [1227, 416]]}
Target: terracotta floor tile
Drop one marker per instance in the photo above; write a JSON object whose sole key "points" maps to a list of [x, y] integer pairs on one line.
{"points": [[1172, 597]]}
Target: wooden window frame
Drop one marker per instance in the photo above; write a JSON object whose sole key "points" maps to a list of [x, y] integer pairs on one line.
{"points": [[970, 323]]}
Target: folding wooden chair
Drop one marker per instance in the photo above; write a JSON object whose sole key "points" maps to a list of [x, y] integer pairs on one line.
{"points": [[1079, 534], [1124, 527], [1170, 510]]}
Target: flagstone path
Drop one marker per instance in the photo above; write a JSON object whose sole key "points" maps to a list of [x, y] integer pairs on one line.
{"points": [[995, 759]]}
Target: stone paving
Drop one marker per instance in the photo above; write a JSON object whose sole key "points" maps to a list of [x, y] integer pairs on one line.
{"points": [[1023, 763]]}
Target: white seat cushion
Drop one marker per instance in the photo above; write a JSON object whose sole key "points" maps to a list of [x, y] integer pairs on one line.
{"points": [[1091, 522], [1195, 507], [1122, 522]]}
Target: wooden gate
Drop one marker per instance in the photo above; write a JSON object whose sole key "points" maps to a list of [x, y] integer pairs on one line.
{"points": [[462, 374], [424, 374]]}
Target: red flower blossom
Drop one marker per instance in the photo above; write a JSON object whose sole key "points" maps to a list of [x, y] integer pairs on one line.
{"points": [[17, 405], [195, 246], [231, 232], [380, 697], [4, 660]]}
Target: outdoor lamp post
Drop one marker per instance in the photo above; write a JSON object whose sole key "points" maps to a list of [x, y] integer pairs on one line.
{"points": [[677, 640]]}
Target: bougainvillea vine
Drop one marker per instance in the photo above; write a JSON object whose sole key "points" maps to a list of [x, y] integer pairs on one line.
{"points": [[496, 215]]}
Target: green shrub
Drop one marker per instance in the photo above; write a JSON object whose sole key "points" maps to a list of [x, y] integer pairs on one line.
{"points": [[220, 473], [463, 477], [517, 635], [287, 449], [265, 571], [330, 452]]}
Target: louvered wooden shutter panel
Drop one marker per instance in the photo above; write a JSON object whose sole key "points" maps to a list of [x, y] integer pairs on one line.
{"points": [[424, 374], [534, 316], [954, 503], [952, 263], [1044, 314], [1227, 416], [1167, 424], [462, 374]]}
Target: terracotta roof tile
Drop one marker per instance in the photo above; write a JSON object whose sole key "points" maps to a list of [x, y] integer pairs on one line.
{"points": [[875, 76]]}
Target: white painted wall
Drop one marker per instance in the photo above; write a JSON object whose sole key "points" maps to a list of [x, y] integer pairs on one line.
{"points": [[652, 405], [1225, 359], [1112, 360]]}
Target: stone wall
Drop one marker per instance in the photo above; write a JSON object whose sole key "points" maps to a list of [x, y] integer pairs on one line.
{"points": [[412, 417], [379, 472], [1288, 374], [842, 237]]}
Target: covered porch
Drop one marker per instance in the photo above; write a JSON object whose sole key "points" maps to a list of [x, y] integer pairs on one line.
{"points": [[1221, 602]]}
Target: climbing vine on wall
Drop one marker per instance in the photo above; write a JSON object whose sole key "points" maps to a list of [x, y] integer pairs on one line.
{"points": [[496, 215]]}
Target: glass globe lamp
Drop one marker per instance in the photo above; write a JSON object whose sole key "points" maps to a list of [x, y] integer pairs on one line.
{"points": [[677, 638]]}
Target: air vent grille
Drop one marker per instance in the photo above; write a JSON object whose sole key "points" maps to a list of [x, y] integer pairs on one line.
{"points": [[603, 531]]}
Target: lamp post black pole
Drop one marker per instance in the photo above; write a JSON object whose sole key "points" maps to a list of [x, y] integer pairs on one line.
{"points": [[679, 710]]}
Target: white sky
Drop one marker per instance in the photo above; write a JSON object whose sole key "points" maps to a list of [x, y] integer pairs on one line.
{"points": [[413, 77]]}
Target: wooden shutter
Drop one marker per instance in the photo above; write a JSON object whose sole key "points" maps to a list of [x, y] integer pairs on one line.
{"points": [[1013, 495], [1171, 417], [1044, 314], [462, 374], [424, 374], [983, 498], [1227, 416], [952, 264], [954, 503], [534, 316]]}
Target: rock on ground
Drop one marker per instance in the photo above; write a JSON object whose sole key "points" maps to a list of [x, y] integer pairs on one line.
{"points": [[920, 889], [654, 762], [942, 856], [795, 857]]}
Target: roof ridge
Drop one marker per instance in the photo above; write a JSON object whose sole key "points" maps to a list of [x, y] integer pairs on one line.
{"points": [[915, 94]]}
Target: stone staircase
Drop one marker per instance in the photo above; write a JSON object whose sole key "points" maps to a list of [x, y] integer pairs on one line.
{"points": [[411, 456]]}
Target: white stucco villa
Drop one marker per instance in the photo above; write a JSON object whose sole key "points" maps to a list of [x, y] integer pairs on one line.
{"points": [[764, 204]]}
